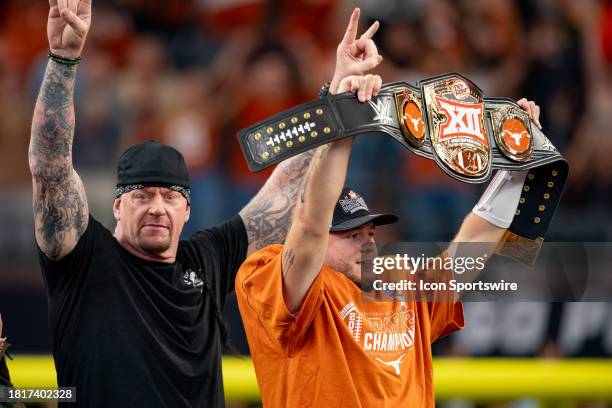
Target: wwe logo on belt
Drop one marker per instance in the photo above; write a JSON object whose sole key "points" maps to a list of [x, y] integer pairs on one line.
{"points": [[382, 108]]}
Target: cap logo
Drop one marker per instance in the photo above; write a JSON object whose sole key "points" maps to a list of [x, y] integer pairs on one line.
{"points": [[353, 203]]}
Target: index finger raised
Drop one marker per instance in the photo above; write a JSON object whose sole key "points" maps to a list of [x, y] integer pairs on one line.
{"points": [[351, 29]]}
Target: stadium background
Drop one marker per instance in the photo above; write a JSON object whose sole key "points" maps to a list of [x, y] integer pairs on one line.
{"points": [[193, 72]]}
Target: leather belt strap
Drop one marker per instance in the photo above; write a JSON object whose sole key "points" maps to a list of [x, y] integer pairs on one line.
{"points": [[446, 119]]}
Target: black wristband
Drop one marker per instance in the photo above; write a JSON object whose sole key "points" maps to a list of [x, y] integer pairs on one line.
{"points": [[324, 90], [64, 60]]}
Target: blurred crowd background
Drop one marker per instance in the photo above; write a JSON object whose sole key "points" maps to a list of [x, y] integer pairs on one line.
{"points": [[191, 73]]}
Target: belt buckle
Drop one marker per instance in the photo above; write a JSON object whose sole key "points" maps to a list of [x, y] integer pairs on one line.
{"points": [[455, 114]]}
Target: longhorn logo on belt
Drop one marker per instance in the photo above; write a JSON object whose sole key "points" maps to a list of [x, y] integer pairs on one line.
{"points": [[408, 105], [455, 115], [512, 130]]}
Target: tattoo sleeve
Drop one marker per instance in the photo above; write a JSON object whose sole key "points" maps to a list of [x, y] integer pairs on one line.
{"points": [[60, 205], [268, 216]]}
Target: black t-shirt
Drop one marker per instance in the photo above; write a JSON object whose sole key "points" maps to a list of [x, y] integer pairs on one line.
{"points": [[5, 378], [128, 332]]}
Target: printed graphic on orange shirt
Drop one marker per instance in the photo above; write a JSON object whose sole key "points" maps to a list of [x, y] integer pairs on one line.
{"points": [[386, 337]]}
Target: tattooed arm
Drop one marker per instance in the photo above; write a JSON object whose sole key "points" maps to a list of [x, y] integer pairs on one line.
{"points": [[268, 215], [305, 248], [60, 206]]}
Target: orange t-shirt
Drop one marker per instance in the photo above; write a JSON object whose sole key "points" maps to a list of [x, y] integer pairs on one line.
{"points": [[340, 350]]}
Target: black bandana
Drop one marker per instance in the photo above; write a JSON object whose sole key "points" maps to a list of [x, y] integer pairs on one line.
{"points": [[126, 189], [152, 164]]}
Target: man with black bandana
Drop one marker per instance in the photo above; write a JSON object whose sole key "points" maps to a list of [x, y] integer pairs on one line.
{"points": [[135, 314]]}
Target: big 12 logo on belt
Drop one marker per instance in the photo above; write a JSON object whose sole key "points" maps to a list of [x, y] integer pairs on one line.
{"points": [[455, 114]]}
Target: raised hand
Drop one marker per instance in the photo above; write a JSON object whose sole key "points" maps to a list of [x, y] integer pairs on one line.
{"points": [[532, 110], [366, 86], [61, 213], [355, 56], [67, 26]]}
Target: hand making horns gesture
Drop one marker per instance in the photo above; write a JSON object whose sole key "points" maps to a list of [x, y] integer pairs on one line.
{"points": [[67, 26], [355, 56]]}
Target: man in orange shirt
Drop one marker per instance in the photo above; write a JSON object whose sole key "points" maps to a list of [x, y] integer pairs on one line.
{"points": [[314, 339]]}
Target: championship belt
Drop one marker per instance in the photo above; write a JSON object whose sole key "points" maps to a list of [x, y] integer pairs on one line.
{"points": [[446, 119]]}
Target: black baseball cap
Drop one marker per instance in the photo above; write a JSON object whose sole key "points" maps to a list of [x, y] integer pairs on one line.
{"points": [[152, 164], [351, 212]]}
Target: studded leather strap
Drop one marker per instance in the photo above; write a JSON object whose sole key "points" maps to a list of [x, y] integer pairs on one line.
{"points": [[409, 114]]}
